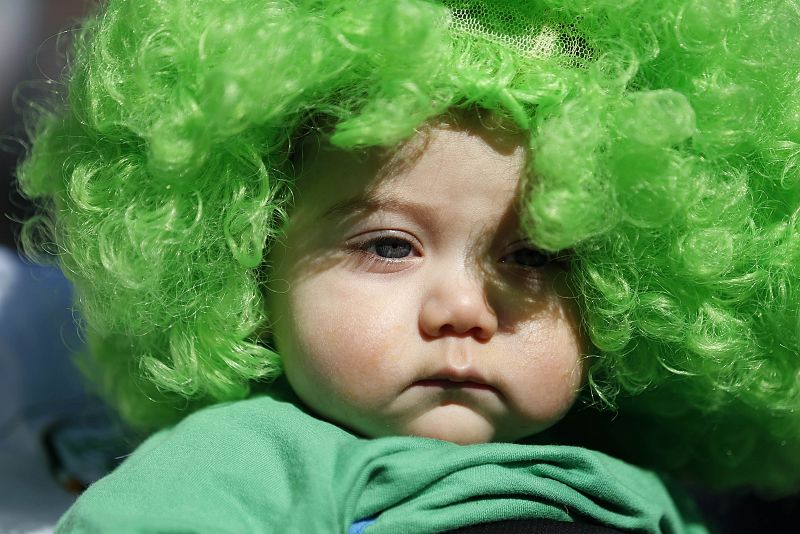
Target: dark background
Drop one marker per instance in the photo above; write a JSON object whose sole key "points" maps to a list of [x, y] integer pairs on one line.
{"points": [[33, 36]]}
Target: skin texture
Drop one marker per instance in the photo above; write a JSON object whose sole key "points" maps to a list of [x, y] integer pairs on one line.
{"points": [[464, 332]]}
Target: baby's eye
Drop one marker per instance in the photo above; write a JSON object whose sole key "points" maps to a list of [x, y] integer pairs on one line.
{"points": [[389, 247], [386, 253], [530, 258]]}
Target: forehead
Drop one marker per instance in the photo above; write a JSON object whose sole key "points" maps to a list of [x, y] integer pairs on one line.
{"points": [[442, 166]]}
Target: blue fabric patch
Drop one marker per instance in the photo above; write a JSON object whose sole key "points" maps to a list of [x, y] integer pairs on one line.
{"points": [[360, 526]]}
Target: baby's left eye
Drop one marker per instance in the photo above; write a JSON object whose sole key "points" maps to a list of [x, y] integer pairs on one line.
{"points": [[528, 257]]}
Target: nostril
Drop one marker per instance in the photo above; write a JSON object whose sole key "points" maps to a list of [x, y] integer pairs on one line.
{"points": [[474, 331]]}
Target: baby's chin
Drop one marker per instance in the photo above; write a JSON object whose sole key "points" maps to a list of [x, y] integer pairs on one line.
{"points": [[455, 423]]}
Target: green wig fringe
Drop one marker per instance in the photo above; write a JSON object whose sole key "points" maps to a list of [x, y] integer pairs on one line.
{"points": [[666, 146]]}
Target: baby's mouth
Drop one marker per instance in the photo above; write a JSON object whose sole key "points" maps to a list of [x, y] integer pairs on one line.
{"points": [[444, 383]]}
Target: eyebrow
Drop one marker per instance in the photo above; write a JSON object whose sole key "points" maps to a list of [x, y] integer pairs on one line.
{"points": [[373, 202]]}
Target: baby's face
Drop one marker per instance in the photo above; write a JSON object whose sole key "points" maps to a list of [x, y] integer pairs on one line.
{"points": [[405, 301]]}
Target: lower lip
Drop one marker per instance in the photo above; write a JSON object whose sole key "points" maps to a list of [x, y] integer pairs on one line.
{"points": [[450, 384]]}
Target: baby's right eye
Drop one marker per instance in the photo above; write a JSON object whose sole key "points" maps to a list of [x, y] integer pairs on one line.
{"points": [[388, 247], [385, 252]]}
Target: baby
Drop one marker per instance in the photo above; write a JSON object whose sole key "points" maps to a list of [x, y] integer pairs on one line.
{"points": [[415, 305], [407, 265], [405, 302]]}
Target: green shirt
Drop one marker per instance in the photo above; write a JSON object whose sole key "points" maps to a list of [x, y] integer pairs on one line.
{"points": [[265, 465]]}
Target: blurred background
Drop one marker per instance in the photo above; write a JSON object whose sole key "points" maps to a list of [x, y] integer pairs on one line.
{"points": [[33, 36], [55, 438]]}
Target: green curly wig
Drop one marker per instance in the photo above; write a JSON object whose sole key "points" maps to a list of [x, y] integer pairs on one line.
{"points": [[666, 146]]}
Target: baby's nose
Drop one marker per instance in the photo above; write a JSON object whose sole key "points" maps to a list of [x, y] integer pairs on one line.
{"points": [[459, 307]]}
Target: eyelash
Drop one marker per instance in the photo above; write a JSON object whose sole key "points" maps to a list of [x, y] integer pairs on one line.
{"points": [[372, 258]]}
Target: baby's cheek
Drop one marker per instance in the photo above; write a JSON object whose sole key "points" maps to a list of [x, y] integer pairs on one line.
{"points": [[369, 370], [385, 361], [553, 371], [345, 341], [566, 379]]}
